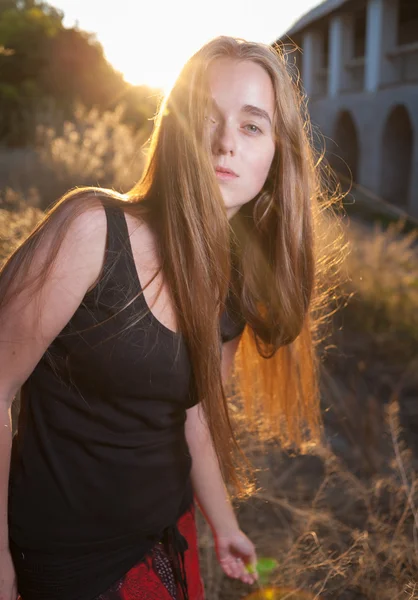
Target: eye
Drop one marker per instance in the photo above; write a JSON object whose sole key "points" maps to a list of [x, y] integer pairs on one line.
{"points": [[253, 128]]}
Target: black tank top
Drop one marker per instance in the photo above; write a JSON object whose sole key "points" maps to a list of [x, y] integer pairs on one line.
{"points": [[100, 464]]}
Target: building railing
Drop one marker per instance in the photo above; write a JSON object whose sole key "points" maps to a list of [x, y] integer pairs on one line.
{"points": [[322, 82], [355, 67], [405, 58]]}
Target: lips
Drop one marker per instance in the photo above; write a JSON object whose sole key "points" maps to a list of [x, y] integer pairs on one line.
{"points": [[224, 172]]}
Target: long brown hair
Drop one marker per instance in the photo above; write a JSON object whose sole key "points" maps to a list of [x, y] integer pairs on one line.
{"points": [[272, 243]]}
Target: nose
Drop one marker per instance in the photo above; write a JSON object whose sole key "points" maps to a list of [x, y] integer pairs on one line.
{"points": [[223, 141]]}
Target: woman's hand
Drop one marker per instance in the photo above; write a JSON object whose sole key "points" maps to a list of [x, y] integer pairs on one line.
{"points": [[8, 590], [235, 552]]}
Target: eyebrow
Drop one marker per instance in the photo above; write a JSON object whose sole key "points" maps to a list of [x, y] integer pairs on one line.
{"points": [[249, 109], [257, 112]]}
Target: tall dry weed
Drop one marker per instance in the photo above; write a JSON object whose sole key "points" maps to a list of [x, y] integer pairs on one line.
{"points": [[91, 148], [18, 217], [382, 269], [333, 533]]}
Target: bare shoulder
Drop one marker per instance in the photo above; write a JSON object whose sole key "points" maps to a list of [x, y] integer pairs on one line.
{"points": [[68, 254], [84, 241], [89, 225]]}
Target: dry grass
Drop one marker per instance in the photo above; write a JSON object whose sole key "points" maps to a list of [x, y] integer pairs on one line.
{"points": [[383, 279], [333, 531], [91, 149], [340, 520], [18, 216]]}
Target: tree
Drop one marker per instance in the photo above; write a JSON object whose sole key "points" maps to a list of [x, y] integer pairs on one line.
{"points": [[42, 62], [78, 69], [7, 5]]}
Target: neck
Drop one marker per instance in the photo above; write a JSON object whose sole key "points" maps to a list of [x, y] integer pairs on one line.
{"points": [[230, 212]]}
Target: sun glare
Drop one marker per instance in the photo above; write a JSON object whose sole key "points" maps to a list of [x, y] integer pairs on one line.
{"points": [[159, 70], [149, 45], [157, 79]]}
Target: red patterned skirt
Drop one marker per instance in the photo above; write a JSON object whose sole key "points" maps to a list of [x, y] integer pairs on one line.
{"points": [[154, 578]]}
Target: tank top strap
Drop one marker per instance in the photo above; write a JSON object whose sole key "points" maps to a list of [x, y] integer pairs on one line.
{"points": [[117, 230], [119, 243], [119, 270]]}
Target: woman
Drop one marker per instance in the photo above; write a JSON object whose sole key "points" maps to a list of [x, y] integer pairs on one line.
{"points": [[111, 314]]}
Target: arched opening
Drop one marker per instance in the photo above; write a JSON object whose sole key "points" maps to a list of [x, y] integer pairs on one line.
{"points": [[345, 156], [397, 143]]}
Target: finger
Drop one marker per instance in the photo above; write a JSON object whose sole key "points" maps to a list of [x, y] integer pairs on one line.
{"points": [[250, 572], [248, 578], [227, 566], [238, 567], [244, 575], [230, 567], [251, 566]]}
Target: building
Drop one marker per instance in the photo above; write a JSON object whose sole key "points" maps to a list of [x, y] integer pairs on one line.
{"points": [[359, 68]]}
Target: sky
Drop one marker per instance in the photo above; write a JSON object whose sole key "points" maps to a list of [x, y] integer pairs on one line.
{"points": [[149, 42]]}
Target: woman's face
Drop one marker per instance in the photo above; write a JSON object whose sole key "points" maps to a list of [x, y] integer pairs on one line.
{"points": [[241, 130]]}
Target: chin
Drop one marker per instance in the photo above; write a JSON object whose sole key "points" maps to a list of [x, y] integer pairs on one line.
{"points": [[232, 204]]}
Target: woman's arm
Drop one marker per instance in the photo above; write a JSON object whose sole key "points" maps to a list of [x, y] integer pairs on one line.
{"points": [[28, 324], [234, 549], [207, 480], [8, 589], [235, 552], [208, 484]]}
